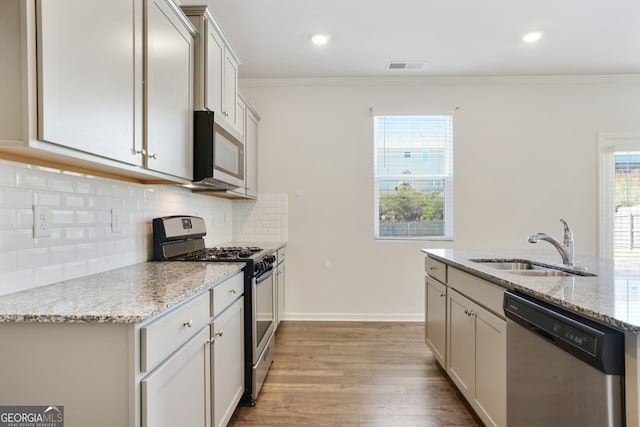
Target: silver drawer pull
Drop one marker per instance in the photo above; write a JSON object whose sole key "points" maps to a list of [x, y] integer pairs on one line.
{"points": [[433, 268], [188, 324], [218, 334], [232, 291], [441, 295]]}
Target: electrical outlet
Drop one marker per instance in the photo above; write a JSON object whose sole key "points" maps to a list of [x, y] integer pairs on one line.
{"points": [[42, 221], [116, 221]]}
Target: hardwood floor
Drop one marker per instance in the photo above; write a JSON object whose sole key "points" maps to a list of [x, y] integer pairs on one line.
{"points": [[355, 374]]}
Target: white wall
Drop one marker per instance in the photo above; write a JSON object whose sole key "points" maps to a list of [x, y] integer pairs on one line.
{"points": [[82, 241], [524, 156]]}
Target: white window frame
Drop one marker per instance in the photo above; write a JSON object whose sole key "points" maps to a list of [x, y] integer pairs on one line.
{"points": [[448, 193], [608, 144]]}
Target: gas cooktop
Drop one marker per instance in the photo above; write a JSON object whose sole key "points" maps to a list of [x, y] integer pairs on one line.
{"points": [[224, 253], [180, 238]]}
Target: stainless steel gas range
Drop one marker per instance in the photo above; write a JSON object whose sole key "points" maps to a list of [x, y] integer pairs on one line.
{"points": [[180, 238]]}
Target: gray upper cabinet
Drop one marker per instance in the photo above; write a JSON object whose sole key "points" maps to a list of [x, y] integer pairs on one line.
{"points": [[216, 86], [86, 77], [98, 87], [169, 49]]}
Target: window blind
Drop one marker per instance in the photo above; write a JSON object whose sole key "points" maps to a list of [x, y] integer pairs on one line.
{"points": [[413, 165]]}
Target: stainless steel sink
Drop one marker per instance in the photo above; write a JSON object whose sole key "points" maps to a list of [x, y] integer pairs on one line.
{"points": [[517, 265], [525, 267], [541, 272]]}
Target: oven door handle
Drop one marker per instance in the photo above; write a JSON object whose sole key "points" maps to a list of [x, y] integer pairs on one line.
{"points": [[265, 275]]}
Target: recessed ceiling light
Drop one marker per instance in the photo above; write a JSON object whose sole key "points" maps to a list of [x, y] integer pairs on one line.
{"points": [[532, 36], [319, 38]]}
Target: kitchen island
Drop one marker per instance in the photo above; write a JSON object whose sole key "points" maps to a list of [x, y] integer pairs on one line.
{"points": [[126, 347], [475, 284]]}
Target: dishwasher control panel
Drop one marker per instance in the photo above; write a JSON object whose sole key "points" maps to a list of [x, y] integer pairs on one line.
{"points": [[594, 343]]}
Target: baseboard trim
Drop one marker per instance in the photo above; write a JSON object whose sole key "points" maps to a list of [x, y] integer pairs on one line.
{"points": [[360, 317]]}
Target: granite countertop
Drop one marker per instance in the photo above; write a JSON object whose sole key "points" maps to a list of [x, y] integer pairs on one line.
{"points": [[612, 297], [130, 294]]}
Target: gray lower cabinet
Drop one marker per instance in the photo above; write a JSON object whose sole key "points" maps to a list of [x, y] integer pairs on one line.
{"points": [[436, 319], [464, 311], [177, 392], [184, 367], [227, 362]]}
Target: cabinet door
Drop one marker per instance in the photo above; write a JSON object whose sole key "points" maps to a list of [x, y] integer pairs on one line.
{"points": [[241, 112], [251, 154], [491, 368], [230, 91], [435, 322], [461, 335], [214, 63], [87, 76], [169, 89], [227, 331], [177, 392]]}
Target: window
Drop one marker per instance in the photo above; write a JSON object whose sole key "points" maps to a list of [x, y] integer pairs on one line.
{"points": [[413, 193], [620, 198]]}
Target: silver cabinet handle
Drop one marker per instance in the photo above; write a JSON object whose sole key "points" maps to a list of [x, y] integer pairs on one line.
{"points": [[232, 291], [218, 334], [153, 156], [225, 113], [441, 295], [188, 323], [433, 268]]}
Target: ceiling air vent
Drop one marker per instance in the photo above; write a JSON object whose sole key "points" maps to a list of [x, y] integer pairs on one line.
{"points": [[405, 65]]}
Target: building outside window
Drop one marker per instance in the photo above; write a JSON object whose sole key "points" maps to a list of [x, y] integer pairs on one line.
{"points": [[413, 177]]}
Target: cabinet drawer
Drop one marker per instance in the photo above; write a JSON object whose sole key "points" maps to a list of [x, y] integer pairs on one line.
{"points": [[164, 335], [436, 269], [485, 293], [225, 293]]}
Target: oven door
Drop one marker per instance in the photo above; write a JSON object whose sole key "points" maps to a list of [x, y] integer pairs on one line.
{"points": [[263, 312]]}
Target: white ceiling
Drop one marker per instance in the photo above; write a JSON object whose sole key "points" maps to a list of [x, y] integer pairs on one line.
{"points": [[455, 37]]}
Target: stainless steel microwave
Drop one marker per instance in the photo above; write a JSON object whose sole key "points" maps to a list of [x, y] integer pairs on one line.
{"points": [[218, 155]]}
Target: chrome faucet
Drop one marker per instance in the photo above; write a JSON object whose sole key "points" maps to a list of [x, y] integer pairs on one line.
{"points": [[565, 249]]}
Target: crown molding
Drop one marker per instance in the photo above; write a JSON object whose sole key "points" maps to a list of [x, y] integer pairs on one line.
{"points": [[444, 80]]}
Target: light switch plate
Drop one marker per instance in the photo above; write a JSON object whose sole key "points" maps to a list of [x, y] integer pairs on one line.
{"points": [[116, 221], [42, 221]]}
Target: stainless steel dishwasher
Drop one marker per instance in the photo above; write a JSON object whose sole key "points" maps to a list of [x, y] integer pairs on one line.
{"points": [[562, 369]]}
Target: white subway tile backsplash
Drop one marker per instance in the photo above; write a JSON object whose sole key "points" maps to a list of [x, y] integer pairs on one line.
{"points": [[13, 198], [48, 274], [73, 269], [75, 201], [48, 199], [81, 240], [61, 184], [60, 217], [88, 217], [28, 178], [85, 250], [14, 281], [8, 218], [16, 239], [32, 258], [7, 176], [8, 261], [61, 254]]}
